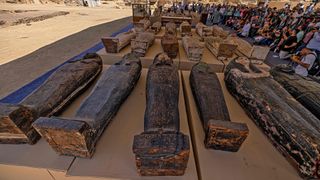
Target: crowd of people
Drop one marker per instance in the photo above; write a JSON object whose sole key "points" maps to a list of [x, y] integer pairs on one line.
{"points": [[289, 30]]}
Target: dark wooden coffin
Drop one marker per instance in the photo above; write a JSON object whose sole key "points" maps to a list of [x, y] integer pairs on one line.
{"points": [[304, 89], [142, 42], [220, 132], [170, 45], [171, 28], [162, 150], [142, 25], [193, 48], [78, 136], [292, 129], [156, 27], [185, 28], [56, 92]]}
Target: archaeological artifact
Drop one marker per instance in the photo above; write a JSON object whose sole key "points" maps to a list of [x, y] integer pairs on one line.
{"points": [[162, 150], [48, 99], [304, 89], [220, 132], [293, 130], [78, 136], [170, 45], [193, 47], [142, 42], [115, 44]]}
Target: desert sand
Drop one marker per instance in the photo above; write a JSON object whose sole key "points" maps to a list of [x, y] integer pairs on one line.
{"points": [[27, 51]]}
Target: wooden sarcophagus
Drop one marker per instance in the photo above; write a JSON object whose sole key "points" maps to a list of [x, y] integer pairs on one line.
{"points": [[48, 99], [142, 25], [115, 44], [171, 28], [220, 132], [170, 45], [185, 28], [142, 42], [221, 47], [78, 136], [203, 30], [303, 89], [293, 130], [218, 31], [193, 47], [156, 27], [250, 51], [162, 150]]}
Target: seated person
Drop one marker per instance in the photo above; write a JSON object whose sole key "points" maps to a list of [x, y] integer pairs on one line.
{"points": [[307, 38], [314, 43], [244, 32], [268, 39], [229, 22], [305, 61], [288, 45]]}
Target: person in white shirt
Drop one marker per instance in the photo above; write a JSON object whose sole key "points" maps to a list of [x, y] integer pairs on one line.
{"points": [[244, 32], [305, 62]]}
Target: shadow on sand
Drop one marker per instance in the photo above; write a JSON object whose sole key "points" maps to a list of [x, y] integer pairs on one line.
{"points": [[23, 70]]}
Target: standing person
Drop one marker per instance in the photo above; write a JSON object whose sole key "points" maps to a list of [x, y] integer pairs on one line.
{"points": [[210, 11], [160, 4], [216, 16], [223, 14], [288, 45], [193, 6]]}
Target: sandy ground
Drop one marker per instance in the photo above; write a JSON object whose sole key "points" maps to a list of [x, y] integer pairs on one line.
{"points": [[37, 48], [17, 41]]}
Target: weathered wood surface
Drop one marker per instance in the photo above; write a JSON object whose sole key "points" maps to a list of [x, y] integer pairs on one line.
{"points": [[142, 42], [195, 18], [171, 28], [303, 89], [142, 25], [260, 52], [219, 32], [244, 47], [252, 52], [203, 30], [162, 150], [221, 47], [56, 92], [78, 136], [193, 47], [176, 20], [293, 129], [156, 27], [170, 45], [220, 132], [185, 28], [115, 44]]}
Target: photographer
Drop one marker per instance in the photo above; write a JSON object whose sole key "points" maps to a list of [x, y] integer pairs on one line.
{"points": [[305, 61]]}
